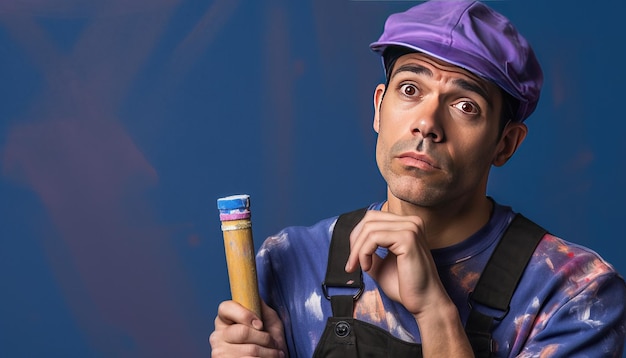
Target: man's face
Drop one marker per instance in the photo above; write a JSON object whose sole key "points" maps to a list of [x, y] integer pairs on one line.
{"points": [[438, 131]]}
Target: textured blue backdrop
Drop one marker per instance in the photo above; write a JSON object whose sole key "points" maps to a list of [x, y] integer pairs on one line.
{"points": [[122, 122]]}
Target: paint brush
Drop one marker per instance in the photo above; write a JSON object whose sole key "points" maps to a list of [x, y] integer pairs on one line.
{"points": [[239, 247]]}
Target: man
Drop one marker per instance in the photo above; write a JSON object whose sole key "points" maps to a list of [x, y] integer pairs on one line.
{"points": [[460, 83]]}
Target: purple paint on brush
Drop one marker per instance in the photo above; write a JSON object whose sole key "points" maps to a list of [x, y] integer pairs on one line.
{"points": [[234, 207]]}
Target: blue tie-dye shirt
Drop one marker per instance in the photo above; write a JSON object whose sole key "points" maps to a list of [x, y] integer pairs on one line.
{"points": [[569, 302]]}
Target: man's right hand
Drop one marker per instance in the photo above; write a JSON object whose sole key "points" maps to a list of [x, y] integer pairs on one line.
{"points": [[240, 333]]}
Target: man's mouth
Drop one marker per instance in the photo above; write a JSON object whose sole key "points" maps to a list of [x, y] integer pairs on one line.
{"points": [[417, 160]]}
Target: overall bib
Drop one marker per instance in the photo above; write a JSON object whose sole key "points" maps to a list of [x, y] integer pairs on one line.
{"points": [[347, 337]]}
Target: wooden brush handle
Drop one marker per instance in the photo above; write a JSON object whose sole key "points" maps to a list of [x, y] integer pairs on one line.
{"points": [[239, 249]]}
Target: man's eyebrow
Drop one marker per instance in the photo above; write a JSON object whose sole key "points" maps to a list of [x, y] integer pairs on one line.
{"points": [[474, 87], [417, 69], [461, 83]]}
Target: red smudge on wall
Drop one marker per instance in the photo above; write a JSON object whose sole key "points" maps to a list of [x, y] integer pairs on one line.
{"points": [[279, 105], [121, 277]]}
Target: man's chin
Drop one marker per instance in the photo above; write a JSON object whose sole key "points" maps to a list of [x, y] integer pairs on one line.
{"points": [[416, 195]]}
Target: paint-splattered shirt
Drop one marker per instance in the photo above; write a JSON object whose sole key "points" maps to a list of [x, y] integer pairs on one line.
{"points": [[569, 303]]}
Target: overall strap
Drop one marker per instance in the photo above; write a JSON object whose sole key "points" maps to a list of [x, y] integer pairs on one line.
{"points": [[499, 280], [336, 275], [494, 288]]}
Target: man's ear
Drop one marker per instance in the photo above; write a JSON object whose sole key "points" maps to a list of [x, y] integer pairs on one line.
{"points": [[512, 136], [379, 93]]}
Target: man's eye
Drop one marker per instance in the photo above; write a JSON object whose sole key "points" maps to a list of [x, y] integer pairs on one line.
{"points": [[467, 107], [408, 90]]}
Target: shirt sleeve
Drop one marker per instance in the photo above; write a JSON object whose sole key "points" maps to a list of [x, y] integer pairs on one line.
{"points": [[589, 323], [270, 289]]}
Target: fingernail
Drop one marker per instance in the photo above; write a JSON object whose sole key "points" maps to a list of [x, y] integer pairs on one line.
{"points": [[257, 324], [347, 267], [281, 354]]}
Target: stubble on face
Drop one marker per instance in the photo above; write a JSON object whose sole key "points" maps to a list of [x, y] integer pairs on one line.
{"points": [[423, 188], [461, 157]]}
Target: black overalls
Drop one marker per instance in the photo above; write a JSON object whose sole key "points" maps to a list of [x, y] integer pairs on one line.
{"points": [[347, 337]]}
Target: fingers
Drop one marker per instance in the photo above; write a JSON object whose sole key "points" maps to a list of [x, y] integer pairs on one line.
{"points": [[238, 333], [238, 325], [231, 312], [243, 350], [397, 233]]}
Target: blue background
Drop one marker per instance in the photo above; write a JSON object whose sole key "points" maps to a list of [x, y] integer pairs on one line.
{"points": [[122, 122]]}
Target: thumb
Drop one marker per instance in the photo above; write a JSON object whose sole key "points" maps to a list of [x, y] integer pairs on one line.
{"points": [[274, 326]]}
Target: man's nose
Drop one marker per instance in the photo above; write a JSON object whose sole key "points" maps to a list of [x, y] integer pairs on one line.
{"points": [[428, 120]]}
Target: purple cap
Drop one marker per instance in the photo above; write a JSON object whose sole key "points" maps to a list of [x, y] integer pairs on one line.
{"points": [[473, 36]]}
